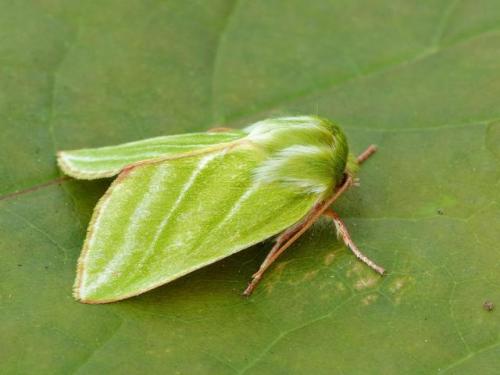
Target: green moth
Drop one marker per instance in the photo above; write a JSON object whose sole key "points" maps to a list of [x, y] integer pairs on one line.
{"points": [[182, 202]]}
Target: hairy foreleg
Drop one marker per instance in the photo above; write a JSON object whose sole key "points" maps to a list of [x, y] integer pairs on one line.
{"points": [[342, 230]]}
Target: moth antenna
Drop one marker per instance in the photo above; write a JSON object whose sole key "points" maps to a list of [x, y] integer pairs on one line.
{"points": [[367, 153]]}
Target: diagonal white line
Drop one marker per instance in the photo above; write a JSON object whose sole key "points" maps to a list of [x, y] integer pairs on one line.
{"points": [[231, 213], [235, 209], [133, 153], [141, 211], [201, 165]]}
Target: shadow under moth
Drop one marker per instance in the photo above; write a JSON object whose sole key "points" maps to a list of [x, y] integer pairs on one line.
{"points": [[181, 202]]}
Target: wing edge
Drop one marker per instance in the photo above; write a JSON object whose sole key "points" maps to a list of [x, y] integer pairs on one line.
{"points": [[66, 167]]}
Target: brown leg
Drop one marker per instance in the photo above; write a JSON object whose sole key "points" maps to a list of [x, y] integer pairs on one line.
{"points": [[265, 264], [282, 243], [310, 219], [284, 237], [342, 229], [290, 236]]}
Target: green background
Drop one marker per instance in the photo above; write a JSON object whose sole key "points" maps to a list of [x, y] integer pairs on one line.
{"points": [[421, 79]]}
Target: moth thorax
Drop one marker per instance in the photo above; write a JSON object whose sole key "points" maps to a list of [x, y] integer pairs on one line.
{"points": [[307, 154]]}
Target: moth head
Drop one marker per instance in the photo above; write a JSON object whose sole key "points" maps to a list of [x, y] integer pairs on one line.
{"points": [[306, 153]]}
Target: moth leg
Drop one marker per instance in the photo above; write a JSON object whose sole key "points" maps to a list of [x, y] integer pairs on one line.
{"points": [[285, 236], [282, 238], [342, 230], [283, 242], [289, 237]]}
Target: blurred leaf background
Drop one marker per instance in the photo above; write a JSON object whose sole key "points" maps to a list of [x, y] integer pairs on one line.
{"points": [[419, 79]]}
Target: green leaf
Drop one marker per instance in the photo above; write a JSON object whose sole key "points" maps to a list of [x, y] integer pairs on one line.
{"points": [[420, 80]]}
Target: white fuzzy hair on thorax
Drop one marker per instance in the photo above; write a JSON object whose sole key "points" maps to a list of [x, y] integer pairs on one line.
{"points": [[305, 153]]}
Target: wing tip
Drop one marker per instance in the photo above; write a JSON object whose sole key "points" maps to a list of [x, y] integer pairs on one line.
{"points": [[66, 166], [82, 297], [73, 171], [63, 164], [89, 301], [92, 300]]}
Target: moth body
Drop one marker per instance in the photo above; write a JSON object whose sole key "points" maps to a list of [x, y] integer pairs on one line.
{"points": [[182, 202]]}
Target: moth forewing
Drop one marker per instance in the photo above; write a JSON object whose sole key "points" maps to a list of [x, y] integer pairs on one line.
{"points": [[109, 161], [162, 220]]}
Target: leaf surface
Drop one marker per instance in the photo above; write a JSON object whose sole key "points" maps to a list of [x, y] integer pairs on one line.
{"points": [[420, 80]]}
